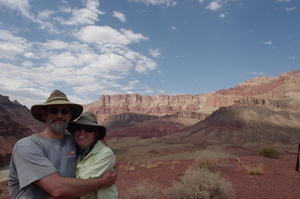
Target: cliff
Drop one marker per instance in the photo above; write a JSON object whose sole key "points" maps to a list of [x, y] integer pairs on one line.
{"points": [[282, 91], [15, 122]]}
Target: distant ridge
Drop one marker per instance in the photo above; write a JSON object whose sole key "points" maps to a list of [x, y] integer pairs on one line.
{"points": [[240, 125], [284, 88]]}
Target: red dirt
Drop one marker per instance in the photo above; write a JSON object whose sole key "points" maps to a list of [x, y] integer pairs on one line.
{"points": [[279, 179], [163, 175]]}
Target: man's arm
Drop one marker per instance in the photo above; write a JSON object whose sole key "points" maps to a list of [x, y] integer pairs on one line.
{"points": [[58, 186]]}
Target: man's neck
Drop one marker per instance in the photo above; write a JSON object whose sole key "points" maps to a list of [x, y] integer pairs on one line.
{"points": [[50, 134]]}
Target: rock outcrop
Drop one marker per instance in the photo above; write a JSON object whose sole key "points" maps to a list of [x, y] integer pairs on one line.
{"points": [[126, 120], [282, 91], [15, 122]]}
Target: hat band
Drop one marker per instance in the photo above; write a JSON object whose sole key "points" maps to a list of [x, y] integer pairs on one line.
{"points": [[58, 98]]}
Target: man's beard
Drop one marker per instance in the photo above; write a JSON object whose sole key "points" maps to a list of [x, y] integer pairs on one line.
{"points": [[58, 128]]}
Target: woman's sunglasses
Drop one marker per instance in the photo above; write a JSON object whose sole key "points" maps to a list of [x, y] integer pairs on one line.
{"points": [[85, 128], [55, 110]]}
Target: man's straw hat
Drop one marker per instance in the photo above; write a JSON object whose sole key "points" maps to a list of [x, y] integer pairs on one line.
{"points": [[56, 98]]}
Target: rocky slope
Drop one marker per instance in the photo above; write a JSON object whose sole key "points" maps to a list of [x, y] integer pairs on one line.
{"points": [[125, 120], [284, 89], [15, 122], [240, 125]]}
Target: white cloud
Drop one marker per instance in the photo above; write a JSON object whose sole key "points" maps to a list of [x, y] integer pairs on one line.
{"points": [[22, 6], [133, 37], [106, 34], [268, 43], [30, 55], [65, 59], [92, 70], [173, 27], [131, 86], [222, 15], [119, 16], [201, 1], [154, 52], [144, 64], [90, 59], [214, 5], [12, 46], [45, 14], [27, 64], [168, 3], [83, 16], [55, 44], [291, 9]]}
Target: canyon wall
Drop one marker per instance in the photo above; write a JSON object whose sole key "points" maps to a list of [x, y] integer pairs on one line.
{"points": [[282, 91]]}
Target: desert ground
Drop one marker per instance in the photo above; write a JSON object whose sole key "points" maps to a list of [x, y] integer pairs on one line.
{"points": [[159, 164]]}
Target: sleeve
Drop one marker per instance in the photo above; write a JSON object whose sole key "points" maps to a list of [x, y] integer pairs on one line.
{"points": [[103, 161], [31, 164]]}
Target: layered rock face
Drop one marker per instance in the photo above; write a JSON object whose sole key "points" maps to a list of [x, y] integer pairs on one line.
{"points": [[283, 91], [151, 105], [16, 122]]}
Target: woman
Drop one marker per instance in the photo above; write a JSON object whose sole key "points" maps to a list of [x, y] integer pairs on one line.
{"points": [[94, 157]]}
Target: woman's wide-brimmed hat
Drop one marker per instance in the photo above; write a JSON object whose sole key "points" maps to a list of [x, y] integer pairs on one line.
{"points": [[88, 120], [56, 98]]}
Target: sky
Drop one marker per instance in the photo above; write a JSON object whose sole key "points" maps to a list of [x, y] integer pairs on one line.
{"points": [[88, 48]]}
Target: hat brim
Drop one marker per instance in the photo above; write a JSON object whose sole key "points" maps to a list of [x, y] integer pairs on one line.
{"points": [[38, 109], [101, 130]]}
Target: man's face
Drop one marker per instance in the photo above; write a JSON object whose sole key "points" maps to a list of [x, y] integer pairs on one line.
{"points": [[58, 118]]}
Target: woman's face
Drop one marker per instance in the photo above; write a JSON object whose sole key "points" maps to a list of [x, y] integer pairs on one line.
{"points": [[84, 138]]}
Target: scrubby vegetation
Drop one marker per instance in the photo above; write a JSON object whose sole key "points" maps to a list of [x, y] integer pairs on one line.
{"points": [[269, 152], [199, 183], [202, 181], [256, 170], [144, 190], [207, 159]]}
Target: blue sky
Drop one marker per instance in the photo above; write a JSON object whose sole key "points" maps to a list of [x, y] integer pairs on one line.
{"points": [[87, 48]]}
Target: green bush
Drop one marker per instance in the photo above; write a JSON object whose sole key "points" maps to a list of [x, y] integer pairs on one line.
{"points": [[269, 152]]}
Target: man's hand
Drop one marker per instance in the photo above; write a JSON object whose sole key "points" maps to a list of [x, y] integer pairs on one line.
{"points": [[110, 177]]}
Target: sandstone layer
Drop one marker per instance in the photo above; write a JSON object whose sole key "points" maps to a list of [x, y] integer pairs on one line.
{"points": [[282, 91]]}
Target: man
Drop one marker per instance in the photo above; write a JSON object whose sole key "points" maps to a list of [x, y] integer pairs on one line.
{"points": [[43, 165]]}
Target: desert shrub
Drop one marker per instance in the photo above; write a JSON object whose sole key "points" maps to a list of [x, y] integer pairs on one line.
{"points": [[269, 152], [257, 170], [144, 190], [200, 184], [207, 159]]}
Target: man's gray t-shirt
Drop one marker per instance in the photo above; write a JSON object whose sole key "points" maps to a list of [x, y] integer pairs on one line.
{"points": [[35, 157]]}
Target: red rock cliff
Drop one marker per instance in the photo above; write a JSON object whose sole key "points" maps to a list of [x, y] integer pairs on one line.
{"points": [[285, 87]]}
